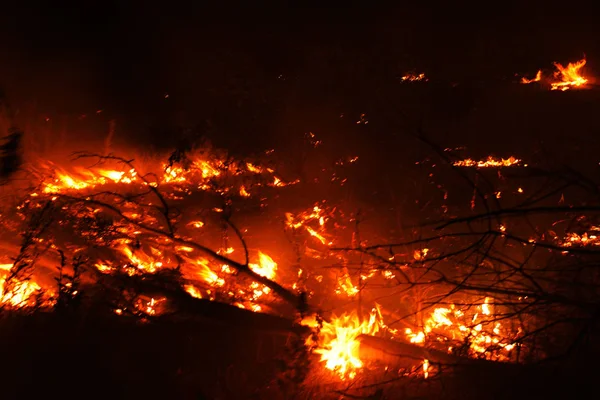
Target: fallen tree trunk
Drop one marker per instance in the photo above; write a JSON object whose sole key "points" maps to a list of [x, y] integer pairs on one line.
{"points": [[403, 355]]}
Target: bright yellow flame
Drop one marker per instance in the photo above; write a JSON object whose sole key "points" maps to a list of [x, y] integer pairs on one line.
{"points": [[266, 266], [569, 76], [244, 192], [339, 343], [564, 78], [193, 291], [205, 273], [346, 286], [21, 293]]}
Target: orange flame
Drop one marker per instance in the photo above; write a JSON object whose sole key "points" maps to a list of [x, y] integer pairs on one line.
{"points": [[569, 76], [21, 293], [451, 324], [538, 77], [490, 162], [339, 343], [266, 266], [564, 78]]}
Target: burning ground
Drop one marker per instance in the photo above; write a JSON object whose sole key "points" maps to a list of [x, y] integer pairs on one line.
{"points": [[174, 253]]}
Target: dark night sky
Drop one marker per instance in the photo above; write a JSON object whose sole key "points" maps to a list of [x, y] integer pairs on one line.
{"points": [[238, 65]]}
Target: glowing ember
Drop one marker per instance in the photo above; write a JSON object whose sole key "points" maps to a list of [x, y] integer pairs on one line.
{"points": [[490, 162], [410, 77], [591, 238]]}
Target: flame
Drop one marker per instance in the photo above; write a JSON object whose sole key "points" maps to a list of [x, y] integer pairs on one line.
{"points": [[538, 77], [205, 273], [137, 262], [569, 76], [21, 293], [83, 179], [244, 192], [410, 77], [452, 324], [143, 261], [339, 343], [193, 291], [590, 238], [151, 307], [564, 78], [317, 216], [346, 286], [490, 162], [266, 266]]}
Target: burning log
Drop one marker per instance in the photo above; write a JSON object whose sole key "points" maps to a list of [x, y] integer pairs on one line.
{"points": [[400, 354]]}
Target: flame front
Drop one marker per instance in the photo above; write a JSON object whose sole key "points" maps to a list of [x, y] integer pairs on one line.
{"points": [[339, 342], [563, 78], [490, 162]]}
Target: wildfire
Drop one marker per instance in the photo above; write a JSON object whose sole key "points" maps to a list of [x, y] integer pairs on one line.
{"points": [[83, 179], [538, 77], [206, 274], [564, 78], [484, 337], [137, 262], [136, 251], [569, 76], [214, 276], [590, 238], [21, 294], [346, 286], [339, 344], [266, 266], [410, 77], [490, 162], [313, 221]]}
